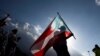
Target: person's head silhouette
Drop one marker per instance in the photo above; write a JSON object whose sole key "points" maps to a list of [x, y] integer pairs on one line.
{"points": [[62, 28], [96, 46], [14, 31]]}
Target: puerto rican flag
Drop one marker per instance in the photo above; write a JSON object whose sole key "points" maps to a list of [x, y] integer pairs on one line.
{"points": [[47, 39]]}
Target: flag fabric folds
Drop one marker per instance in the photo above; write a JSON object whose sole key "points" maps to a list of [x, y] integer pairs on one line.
{"points": [[47, 39]]}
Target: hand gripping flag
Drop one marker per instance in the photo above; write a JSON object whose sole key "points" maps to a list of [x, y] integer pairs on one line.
{"points": [[48, 37]]}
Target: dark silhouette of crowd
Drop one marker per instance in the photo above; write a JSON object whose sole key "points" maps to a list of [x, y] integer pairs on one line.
{"points": [[9, 40]]}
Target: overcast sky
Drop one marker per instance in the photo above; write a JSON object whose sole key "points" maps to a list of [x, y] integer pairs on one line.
{"points": [[82, 17]]}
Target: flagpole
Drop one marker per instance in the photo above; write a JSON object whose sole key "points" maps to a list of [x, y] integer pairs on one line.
{"points": [[65, 24], [89, 53]]}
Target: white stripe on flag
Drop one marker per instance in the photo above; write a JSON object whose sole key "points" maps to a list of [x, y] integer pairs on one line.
{"points": [[47, 39]]}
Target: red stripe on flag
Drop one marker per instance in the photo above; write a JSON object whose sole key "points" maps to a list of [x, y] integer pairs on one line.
{"points": [[47, 32], [68, 34], [42, 51]]}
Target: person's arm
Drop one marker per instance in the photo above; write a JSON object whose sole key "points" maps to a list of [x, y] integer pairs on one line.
{"points": [[93, 50]]}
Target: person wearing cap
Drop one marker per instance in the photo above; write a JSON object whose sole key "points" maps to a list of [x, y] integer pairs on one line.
{"points": [[61, 46]]}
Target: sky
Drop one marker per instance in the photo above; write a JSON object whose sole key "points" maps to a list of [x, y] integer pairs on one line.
{"points": [[33, 16]]}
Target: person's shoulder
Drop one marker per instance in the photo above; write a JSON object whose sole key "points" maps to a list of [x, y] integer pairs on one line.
{"points": [[93, 49]]}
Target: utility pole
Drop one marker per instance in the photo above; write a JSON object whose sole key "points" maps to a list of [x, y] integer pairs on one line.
{"points": [[89, 53]]}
